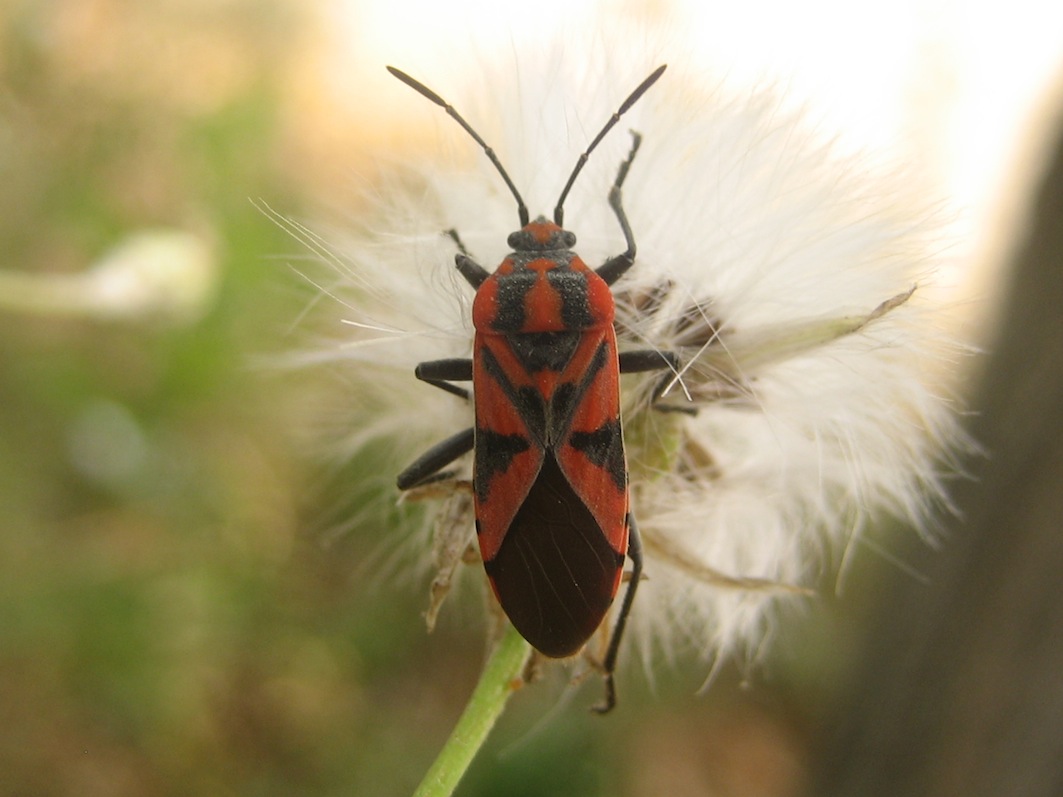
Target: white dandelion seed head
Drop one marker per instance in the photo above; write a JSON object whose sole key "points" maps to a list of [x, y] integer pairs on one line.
{"points": [[781, 273]]}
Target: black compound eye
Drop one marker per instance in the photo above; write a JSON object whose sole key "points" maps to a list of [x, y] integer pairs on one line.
{"points": [[568, 239]]}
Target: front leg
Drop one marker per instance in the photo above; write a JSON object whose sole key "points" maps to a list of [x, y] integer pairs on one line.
{"points": [[474, 273], [614, 268]]}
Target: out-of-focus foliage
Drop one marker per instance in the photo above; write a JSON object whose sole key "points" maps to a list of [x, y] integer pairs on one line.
{"points": [[166, 626]]}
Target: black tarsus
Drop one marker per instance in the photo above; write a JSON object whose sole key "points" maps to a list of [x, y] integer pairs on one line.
{"points": [[615, 267], [634, 552], [453, 235]]}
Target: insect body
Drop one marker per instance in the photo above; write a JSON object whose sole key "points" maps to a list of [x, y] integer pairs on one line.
{"points": [[549, 476]]}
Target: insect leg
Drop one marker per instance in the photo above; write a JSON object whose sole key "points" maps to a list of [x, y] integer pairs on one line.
{"points": [[473, 272], [453, 235], [634, 551], [434, 459], [614, 268], [442, 372], [633, 362]]}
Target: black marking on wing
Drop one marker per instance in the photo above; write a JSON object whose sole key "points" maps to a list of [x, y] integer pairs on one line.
{"points": [[575, 306], [547, 425], [562, 406], [604, 447], [555, 571], [567, 397], [494, 453], [512, 290], [544, 351], [527, 401]]}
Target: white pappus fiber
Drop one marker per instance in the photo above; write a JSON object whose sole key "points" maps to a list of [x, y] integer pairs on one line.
{"points": [[787, 279]]}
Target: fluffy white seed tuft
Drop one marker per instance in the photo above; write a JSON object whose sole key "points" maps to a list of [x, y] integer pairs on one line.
{"points": [[789, 280]]}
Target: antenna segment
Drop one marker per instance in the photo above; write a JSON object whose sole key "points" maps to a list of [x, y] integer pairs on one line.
{"points": [[522, 209]]}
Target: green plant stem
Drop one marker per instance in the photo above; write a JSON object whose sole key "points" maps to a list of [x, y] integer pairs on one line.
{"points": [[502, 671]]}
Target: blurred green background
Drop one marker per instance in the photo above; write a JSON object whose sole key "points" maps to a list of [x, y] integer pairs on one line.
{"points": [[174, 618]]}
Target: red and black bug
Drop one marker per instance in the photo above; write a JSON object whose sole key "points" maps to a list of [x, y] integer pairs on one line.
{"points": [[549, 475]]}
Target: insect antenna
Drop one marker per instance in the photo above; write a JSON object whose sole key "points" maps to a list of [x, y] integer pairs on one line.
{"points": [[559, 212], [424, 91]]}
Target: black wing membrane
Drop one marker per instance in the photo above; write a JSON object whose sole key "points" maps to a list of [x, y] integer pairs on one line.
{"points": [[555, 572]]}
